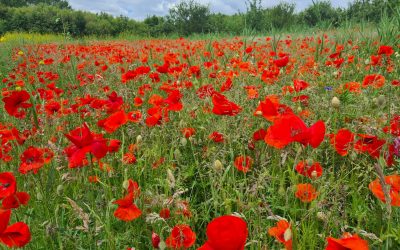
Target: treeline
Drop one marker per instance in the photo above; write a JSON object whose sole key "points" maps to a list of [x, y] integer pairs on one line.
{"points": [[186, 18]]}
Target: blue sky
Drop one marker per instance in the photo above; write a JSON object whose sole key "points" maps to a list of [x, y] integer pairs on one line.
{"points": [[140, 9]]}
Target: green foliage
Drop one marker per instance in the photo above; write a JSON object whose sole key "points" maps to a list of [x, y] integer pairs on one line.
{"points": [[63, 4], [321, 12], [254, 15], [280, 16], [190, 17]]}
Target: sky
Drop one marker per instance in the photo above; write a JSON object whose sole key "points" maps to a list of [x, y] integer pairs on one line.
{"points": [[140, 9]]}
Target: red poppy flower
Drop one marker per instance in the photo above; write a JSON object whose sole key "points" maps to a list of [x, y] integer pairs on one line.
{"points": [[155, 116], [173, 101], [306, 192], [271, 109], [181, 236], [300, 85], [342, 141], [165, 213], [155, 240], [376, 80], [127, 210], [313, 171], [138, 101], [227, 85], [134, 116], [16, 235], [369, 144], [32, 159], [347, 242], [252, 92], [226, 233], [353, 87], [8, 184], [15, 200], [281, 62], [259, 135], [283, 233], [394, 127], [129, 158], [15, 102], [222, 106], [188, 132], [113, 122], [290, 128], [243, 163], [205, 91], [216, 137], [83, 142], [384, 49], [114, 145], [393, 181]]}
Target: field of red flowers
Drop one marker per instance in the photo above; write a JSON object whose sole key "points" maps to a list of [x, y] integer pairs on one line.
{"points": [[221, 144]]}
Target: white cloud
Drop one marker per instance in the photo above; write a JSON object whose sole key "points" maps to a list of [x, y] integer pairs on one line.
{"points": [[140, 9]]}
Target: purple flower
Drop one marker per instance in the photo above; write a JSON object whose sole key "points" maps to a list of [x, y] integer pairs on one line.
{"points": [[396, 144]]}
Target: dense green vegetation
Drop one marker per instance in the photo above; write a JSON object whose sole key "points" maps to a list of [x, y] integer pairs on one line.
{"points": [[187, 17]]}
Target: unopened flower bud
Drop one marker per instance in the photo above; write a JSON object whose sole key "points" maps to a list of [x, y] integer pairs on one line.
{"points": [[139, 139], [335, 102], [381, 100], [218, 165], [125, 184], [60, 189], [177, 154], [287, 235], [183, 141]]}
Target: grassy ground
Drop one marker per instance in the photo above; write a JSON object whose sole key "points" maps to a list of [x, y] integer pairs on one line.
{"points": [[67, 211]]}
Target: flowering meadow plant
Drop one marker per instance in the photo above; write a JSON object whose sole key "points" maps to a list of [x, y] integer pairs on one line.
{"points": [[222, 144]]}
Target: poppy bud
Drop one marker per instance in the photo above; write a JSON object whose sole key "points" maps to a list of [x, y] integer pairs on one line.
{"points": [[21, 53], [139, 139], [183, 141], [299, 109], [155, 240], [125, 184], [177, 154], [218, 165], [60, 189], [381, 100], [309, 162], [18, 88], [39, 196], [287, 235], [335, 102]]}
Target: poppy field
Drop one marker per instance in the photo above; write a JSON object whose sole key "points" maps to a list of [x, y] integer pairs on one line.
{"points": [[289, 142]]}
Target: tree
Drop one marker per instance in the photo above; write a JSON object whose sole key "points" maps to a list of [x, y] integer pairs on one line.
{"points": [[321, 11], [62, 4], [280, 16], [190, 17], [254, 15]]}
